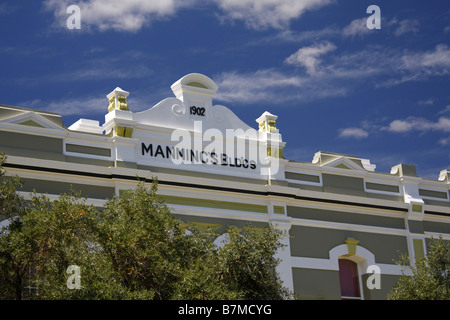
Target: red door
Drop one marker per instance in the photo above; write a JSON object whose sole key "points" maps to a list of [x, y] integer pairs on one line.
{"points": [[348, 276]]}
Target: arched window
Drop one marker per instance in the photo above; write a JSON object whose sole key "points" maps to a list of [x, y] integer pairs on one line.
{"points": [[349, 280]]}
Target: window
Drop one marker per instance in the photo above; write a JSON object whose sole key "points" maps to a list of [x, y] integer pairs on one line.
{"points": [[349, 280]]}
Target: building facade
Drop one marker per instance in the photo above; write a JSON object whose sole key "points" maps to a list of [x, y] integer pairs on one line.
{"points": [[344, 224]]}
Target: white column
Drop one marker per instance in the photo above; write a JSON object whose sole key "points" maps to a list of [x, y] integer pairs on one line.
{"points": [[284, 269]]}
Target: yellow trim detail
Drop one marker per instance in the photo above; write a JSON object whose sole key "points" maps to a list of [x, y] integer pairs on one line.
{"points": [[419, 252], [215, 204], [122, 104], [197, 84], [275, 153], [351, 244], [123, 132], [31, 123], [278, 209]]}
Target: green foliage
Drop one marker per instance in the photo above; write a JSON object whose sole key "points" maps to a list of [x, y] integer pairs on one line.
{"points": [[11, 207], [133, 248], [10, 201], [430, 277], [248, 263]]}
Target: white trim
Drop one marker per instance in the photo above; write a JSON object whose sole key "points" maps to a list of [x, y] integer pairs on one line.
{"points": [[389, 193], [87, 155], [303, 182], [35, 117], [37, 131], [344, 197], [332, 264], [345, 161], [219, 213], [435, 198], [435, 218], [430, 207]]}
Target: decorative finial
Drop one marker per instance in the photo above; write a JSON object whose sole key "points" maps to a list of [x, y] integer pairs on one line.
{"points": [[118, 100], [267, 122]]}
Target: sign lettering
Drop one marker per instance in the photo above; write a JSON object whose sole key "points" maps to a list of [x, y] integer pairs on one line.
{"points": [[196, 156]]}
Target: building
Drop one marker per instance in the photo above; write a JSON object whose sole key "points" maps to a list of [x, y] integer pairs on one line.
{"points": [[344, 222]]}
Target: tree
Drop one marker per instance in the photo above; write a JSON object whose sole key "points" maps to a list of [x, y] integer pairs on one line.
{"points": [[152, 252], [10, 201], [430, 277], [132, 248], [13, 268]]}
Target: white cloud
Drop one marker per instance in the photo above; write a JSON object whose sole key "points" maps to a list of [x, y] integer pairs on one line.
{"points": [[67, 107], [400, 126], [433, 60], [261, 14], [128, 65], [356, 27], [308, 57], [445, 141], [414, 66], [261, 85], [132, 15], [446, 110], [357, 133], [97, 65], [335, 76], [419, 124], [273, 87], [427, 102], [407, 26], [91, 104], [359, 27], [287, 35], [119, 15]]}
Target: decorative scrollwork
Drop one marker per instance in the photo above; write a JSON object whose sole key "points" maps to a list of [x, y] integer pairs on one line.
{"points": [[179, 110]]}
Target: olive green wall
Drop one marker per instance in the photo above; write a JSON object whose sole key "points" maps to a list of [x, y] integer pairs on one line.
{"points": [[313, 242], [88, 150], [311, 284], [345, 217], [343, 184], [302, 177], [382, 187], [57, 188], [387, 282], [27, 145]]}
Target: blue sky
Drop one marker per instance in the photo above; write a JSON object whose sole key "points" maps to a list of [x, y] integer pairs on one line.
{"points": [[336, 85]]}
